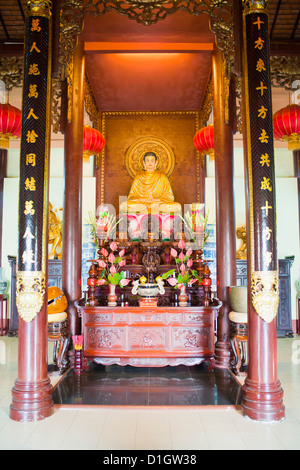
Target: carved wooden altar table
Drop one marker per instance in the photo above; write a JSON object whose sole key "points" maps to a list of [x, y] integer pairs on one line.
{"points": [[149, 337]]}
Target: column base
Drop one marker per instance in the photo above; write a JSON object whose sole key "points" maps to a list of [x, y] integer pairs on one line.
{"points": [[223, 354], [263, 402], [31, 401]]}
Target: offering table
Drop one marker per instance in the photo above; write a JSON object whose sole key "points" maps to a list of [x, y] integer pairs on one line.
{"points": [[149, 336]]}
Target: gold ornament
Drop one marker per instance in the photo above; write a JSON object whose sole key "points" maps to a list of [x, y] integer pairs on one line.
{"points": [[265, 294], [255, 6], [39, 8], [30, 293]]}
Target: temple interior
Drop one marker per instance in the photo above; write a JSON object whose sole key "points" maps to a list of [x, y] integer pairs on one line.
{"points": [[149, 224]]}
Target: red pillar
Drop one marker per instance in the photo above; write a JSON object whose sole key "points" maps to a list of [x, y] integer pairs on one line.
{"points": [[72, 212], [262, 392], [225, 212], [32, 391]]}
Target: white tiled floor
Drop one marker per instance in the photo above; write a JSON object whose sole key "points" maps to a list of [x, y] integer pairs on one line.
{"points": [[153, 429]]}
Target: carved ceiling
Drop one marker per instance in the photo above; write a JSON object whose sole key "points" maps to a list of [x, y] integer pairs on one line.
{"points": [[163, 66]]}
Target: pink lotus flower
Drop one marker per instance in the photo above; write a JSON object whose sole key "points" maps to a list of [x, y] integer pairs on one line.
{"points": [[173, 253], [172, 281], [192, 281], [112, 269], [189, 252], [189, 263], [124, 282], [181, 256], [122, 253], [100, 282], [111, 258], [122, 263], [101, 263], [113, 246], [104, 252], [181, 244], [182, 267]]}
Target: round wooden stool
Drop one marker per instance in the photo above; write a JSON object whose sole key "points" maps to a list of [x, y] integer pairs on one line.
{"points": [[238, 339]]}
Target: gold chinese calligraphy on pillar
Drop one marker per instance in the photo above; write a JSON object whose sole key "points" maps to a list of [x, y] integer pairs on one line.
{"points": [[260, 151], [33, 189]]}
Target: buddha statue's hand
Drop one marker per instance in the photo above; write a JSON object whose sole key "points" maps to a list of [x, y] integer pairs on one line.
{"points": [[149, 200], [152, 199]]}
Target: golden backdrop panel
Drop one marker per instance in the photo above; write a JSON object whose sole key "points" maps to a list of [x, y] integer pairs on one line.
{"points": [[170, 133]]}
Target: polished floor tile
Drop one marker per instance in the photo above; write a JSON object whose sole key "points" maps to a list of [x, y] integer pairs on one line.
{"points": [[133, 386], [169, 427]]}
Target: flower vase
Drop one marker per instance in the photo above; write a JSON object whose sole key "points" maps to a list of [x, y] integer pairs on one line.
{"points": [[183, 298], [3, 283], [112, 298]]}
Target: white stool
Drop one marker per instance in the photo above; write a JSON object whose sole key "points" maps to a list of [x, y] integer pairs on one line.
{"points": [[238, 339]]}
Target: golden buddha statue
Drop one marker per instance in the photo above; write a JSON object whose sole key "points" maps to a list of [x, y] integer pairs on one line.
{"points": [[55, 234], [241, 234], [151, 191]]}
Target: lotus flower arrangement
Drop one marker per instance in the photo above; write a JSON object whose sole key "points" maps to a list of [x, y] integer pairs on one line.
{"points": [[184, 262], [111, 264]]}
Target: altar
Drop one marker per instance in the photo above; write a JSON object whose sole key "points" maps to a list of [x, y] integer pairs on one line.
{"points": [[149, 337], [149, 300], [160, 312]]}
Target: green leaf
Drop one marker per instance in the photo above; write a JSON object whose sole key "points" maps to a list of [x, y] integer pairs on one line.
{"points": [[110, 278], [167, 274], [102, 274], [114, 279], [196, 275], [185, 278]]}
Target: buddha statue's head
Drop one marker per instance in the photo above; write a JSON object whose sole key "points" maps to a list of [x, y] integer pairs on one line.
{"points": [[150, 161]]}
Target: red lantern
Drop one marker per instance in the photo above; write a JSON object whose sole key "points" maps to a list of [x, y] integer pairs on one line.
{"points": [[204, 141], [93, 142], [286, 126], [10, 124]]}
